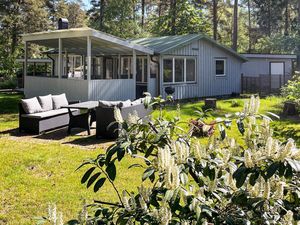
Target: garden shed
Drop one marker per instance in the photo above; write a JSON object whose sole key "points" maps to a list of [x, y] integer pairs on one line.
{"points": [[266, 72], [92, 65]]}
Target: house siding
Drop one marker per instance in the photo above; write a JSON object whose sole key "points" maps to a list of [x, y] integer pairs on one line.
{"points": [[207, 83], [256, 66]]}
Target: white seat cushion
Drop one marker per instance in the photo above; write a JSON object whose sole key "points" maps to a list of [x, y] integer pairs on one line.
{"points": [[59, 101], [109, 103], [42, 115], [46, 102], [126, 103], [31, 105]]}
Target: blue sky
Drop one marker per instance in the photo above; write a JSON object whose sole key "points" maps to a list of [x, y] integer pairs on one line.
{"points": [[87, 3]]}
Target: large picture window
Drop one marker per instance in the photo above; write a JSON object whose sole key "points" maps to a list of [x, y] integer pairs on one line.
{"points": [[220, 67], [179, 70]]}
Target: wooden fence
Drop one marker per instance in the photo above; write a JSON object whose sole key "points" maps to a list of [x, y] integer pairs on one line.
{"points": [[264, 84]]}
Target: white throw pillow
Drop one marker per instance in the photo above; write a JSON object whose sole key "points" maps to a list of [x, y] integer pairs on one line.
{"points": [[46, 102], [31, 105], [103, 103], [59, 101], [137, 102], [126, 103]]}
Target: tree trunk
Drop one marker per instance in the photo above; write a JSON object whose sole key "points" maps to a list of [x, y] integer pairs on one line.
{"points": [[269, 18], [249, 27], [286, 22], [215, 19], [101, 19], [143, 13], [173, 17], [235, 26], [298, 47]]}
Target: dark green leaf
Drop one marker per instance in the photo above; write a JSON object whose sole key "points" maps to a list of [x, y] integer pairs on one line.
{"points": [[73, 222], [272, 169], [120, 154], [240, 126], [148, 172], [111, 171], [99, 184], [149, 151], [110, 152], [253, 178], [92, 179], [240, 176], [87, 175]]}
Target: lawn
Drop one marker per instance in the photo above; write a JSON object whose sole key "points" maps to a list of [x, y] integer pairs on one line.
{"points": [[36, 172]]}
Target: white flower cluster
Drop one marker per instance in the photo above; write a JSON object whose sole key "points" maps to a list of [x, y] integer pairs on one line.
{"points": [[199, 151], [273, 150], [168, 167], [129, 202], [163, 214], [251, 107], [118, 116], [83, 215], [56, 218], [182, 151], [272, 188], [133, 118]]}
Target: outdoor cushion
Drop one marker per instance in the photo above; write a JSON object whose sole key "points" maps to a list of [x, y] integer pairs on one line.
{"points": [[137, 102], [31, 105], [103, 103], [43, 115], [126, 103], [59, 101], [46, 102]]}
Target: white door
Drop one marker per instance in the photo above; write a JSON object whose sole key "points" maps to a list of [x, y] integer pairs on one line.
{"points": [[277, 68], [277, 72]]}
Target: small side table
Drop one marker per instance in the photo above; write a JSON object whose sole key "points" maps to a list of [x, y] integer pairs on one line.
{"points": [[81, 120]]}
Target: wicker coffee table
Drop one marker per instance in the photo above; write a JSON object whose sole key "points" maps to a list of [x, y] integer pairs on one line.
{"points": [[85, 118]]}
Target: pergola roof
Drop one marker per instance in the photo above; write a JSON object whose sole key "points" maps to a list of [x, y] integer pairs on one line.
{"points": [[75, 40]]}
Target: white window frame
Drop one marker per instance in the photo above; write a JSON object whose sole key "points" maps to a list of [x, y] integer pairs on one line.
{"points": [[225, 67], [184, 72]]}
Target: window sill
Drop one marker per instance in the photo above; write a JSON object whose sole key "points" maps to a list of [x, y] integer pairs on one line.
{"points": [[180, 83], [221, 75]]}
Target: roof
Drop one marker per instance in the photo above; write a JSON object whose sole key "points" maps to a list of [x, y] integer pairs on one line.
{"points": [[104, 40], [270, 56], [166, 43]]}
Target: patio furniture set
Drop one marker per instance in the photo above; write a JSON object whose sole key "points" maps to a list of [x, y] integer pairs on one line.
{"points": [[44, 113]]}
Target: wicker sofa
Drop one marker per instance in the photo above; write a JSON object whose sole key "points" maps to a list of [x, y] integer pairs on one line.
{"points": [[105, 117], [46, 120]]}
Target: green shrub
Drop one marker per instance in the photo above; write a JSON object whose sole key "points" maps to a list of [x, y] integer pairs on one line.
{"points": [[190, 182], [8, 83], [291, 91]]}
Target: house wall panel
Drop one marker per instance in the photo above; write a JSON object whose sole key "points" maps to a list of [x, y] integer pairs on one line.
{"points": [[207, 83], [75, 89], [115, 89]]}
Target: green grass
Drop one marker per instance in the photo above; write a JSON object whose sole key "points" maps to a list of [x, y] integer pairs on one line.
{"points": [[34, 173]]}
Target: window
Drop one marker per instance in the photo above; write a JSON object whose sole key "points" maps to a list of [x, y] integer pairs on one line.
{"points": [[72, 66], [141, 69], [179, 70], [97, 68], [220, 67], [168, 70], [190, 70]]}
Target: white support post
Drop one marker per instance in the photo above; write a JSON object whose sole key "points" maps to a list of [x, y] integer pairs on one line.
{"points": [[25, 60], [134, 71], [148, 74], [89, 58], [119, 66], [60, 58]]}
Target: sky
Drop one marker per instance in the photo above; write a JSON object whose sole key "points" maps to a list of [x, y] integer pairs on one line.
{"points": [[87, 3]]}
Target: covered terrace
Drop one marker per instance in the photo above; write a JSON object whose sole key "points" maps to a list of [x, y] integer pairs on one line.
{"points": [[89, 65]]}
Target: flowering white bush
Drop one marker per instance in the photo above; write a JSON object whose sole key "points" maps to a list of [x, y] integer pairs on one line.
{"points": [[219, 182]]}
